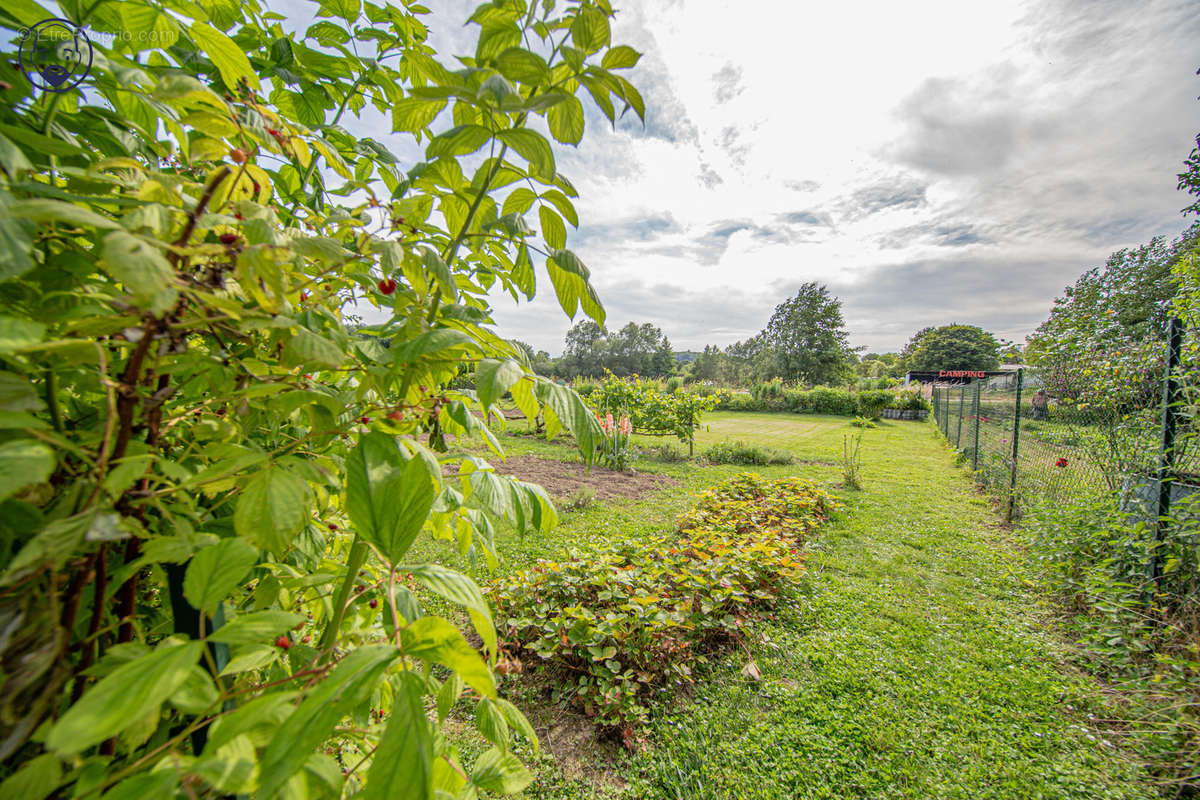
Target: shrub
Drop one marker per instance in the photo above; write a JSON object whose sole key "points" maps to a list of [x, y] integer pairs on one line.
{"points": [[666, 453], [211, 478], [872, 402], [750, 455], [909, 400], [674, 384], [615, 625], [863, 422], [651, 411]]}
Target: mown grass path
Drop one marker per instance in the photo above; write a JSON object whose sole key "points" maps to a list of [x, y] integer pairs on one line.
{"points": [[915, 663]]}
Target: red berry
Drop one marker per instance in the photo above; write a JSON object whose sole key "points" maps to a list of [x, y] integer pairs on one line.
{"points": [[283, 642], [333, 526], [303, 296], [273, 132], [365, 420], [396, 415], [238, 155], [257, 188], [238, 215], [305, 639], [228, 238], [374, 603], [387, 286]]}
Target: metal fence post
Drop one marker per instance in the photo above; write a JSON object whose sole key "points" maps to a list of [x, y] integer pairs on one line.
{"points": [[962, 401], [975, 414], [1166, 461], [1016, 436]]}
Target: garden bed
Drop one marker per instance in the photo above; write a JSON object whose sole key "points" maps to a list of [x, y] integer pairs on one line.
{"points": [[561, 478]]}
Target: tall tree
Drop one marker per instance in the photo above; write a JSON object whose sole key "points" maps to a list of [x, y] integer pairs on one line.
{"points": [[954, 347], [587, 347], [808, 336]]}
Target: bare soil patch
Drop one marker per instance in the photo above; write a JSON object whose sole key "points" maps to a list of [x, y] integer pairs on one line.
{"points": [[561, 478]]}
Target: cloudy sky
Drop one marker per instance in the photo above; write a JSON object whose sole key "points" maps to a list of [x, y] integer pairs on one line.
{"points": [[931, 161]]}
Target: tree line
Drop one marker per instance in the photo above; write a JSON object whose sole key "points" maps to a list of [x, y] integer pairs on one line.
{"points": [[804, 341]]}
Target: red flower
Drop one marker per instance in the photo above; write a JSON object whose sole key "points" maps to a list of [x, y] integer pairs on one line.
{"points": [[1062, 462]]}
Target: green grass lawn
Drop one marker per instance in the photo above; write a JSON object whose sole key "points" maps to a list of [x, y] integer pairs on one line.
{"points": [[914, 662]]}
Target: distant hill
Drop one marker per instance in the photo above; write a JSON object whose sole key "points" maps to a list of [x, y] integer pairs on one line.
{"points": [[686, 356]]}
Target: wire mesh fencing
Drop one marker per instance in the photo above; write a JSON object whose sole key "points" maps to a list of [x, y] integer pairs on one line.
{"points": [[1030, 441]]}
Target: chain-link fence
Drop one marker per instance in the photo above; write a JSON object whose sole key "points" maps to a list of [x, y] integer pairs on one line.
{"points": [[1030, 444]]}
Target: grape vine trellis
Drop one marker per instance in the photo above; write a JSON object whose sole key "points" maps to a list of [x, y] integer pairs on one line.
{"points": [[209, 484]]}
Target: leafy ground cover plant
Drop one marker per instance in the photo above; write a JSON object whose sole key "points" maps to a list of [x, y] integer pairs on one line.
{"points": [[615, 626], [210, 483], [751, 455]]}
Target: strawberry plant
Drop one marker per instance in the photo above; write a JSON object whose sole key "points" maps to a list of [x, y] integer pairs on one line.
{"points": [[211, 473], [620, 624]]}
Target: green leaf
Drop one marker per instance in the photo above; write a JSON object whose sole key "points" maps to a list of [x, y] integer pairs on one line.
{"points": [[566, 120], [632, 96], [458, 141], [491, 723], [519, 200], [533, 147], [216, 571], [494, 377], [414, 114], [435, 341], [16, 242], [257, 627], [126, 695], [12, 158], [500, 772], [136, 263], [570, 279], [564, 206], [519, 64], [18, 334], [387, 500], [590, 30], [553, 229], [518, 720], [23, 462], [45, 211], [17, 394], [620, 57], [226, 54], [448, 695], [403, 763], [441, 273], [35, 780], [460, 589], [350, 685], [434, 639], [522, 274], [272, 509], [305, 347]]}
